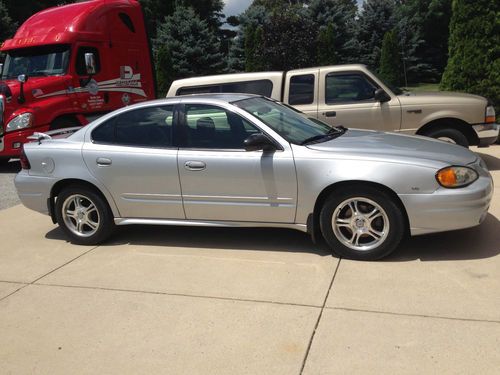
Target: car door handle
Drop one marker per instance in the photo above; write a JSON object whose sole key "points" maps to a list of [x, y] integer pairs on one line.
{"points": [[330, 114], [103, 162], [195, 165]]}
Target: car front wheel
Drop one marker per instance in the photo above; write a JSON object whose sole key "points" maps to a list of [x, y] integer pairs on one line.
{"points": [[362, 223], [83, 215]]}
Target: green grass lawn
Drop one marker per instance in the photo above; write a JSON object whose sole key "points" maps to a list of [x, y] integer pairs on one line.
{"points": [[423, 87]]}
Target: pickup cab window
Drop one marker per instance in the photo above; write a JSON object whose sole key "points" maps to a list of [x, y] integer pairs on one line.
{"points": [[348, 88], [301, 89]]}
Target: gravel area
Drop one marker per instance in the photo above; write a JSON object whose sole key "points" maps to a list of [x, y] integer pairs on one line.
{"points": [[8, 194]]}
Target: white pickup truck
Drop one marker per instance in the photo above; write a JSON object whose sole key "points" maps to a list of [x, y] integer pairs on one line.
{"points": [[352, 96]]}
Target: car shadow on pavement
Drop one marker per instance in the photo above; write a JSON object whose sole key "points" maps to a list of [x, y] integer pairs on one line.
{"points": [[12, 166], [491, 161], [480, 242], [253, 239]]}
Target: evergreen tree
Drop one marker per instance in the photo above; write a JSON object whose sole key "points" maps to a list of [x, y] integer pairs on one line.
{"points": [[164, 70], [376, 18], [327, 54], [193, 48], [7, 26], [250, 20], [423, 32], [474, 49], [341, 15], [390, 59]]}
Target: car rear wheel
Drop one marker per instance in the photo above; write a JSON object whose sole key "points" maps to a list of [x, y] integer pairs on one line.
{"points": [[84, 215], [362, 223], [449, 135]]}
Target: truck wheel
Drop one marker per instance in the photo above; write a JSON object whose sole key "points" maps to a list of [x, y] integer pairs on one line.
{"points": [[449, 135], [63, 122], [83, 215], [362, 223]]}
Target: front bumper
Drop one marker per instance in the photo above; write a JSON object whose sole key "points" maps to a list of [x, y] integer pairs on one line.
{"points": [[486, 133], [449, 209]]}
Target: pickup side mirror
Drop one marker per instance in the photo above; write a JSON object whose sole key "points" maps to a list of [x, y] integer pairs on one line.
{"points": [[258, 142], [90, 63], [381, 96]]}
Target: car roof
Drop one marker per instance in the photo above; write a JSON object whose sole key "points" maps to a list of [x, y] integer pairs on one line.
{"points": [[223, 97]]}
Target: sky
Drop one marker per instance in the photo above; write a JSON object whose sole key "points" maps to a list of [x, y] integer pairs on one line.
{"points": [[235, 7]]}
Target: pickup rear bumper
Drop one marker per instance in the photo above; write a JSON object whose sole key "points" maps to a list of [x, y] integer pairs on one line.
{"points": [[486, 133]]}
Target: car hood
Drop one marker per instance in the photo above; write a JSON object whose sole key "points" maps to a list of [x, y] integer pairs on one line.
{"points": [[440, 97], [396, 148]]}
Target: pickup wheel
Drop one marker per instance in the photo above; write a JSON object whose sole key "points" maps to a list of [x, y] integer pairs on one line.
{"points": [[83, 215], [449, 135], [362, 223]]}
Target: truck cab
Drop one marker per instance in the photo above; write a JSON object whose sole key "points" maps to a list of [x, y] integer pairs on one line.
{"points": [[67, 65]]}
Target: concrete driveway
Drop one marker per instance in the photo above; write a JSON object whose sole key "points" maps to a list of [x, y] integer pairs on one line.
{"points": [[172, 300]]}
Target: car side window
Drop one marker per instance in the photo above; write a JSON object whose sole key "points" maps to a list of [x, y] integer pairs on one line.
{"points": [[301, 89], [348, 88], [144, 127], [80, 60], [211, 127]]}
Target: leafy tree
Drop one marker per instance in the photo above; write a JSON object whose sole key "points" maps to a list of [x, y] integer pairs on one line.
{"points": [[390, 59], [474, 49], [376, 18], [340, 17], [286, 41], [327, 54], [193, 48], [7, 26]]}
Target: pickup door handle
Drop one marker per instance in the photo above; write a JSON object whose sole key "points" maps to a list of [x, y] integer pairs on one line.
{"points": [[330, 114], [195, 165], [103, 162]]}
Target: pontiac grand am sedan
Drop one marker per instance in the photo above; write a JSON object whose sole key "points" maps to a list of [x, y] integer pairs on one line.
{"points": [[236, 160]]}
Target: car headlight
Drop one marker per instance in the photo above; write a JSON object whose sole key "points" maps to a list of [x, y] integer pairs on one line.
{"points": [[20, 122], [455, 177]]}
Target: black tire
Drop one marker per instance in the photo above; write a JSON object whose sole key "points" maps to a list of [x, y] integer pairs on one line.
{"points": [[365, 245], [456, 136], [79, 226], [63, 123]]}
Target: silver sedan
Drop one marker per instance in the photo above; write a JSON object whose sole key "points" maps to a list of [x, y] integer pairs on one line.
{"points": [[244, 160]]}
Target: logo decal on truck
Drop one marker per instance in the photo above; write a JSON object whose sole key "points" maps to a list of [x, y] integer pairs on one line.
{"points": [[130, 85]]}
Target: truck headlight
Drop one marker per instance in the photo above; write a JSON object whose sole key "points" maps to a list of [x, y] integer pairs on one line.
{"points": [[490, 116], [21, 121], [455, 177]]}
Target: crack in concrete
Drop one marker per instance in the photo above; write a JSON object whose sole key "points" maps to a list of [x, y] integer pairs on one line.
{"points": [[319, 318]]}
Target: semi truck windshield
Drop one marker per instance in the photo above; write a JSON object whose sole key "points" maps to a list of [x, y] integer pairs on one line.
{"points": [[39, 61]]}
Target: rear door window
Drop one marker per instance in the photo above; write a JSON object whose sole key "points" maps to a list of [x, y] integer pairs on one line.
{"points": [[145, 127], [301, 89]]}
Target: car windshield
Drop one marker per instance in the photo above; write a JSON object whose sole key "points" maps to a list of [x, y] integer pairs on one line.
{"points": [[291, 124], [39, 61]]}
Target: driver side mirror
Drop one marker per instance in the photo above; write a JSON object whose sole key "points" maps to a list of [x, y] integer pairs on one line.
{"points": [[90, 63], [257, 142], [22, 78], [381, 96]]}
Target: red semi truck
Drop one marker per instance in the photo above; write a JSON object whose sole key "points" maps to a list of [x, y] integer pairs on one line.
{"points": [[67, 65]]}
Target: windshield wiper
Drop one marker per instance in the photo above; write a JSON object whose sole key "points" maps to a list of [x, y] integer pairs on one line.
{"points": [[331, 134]]}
